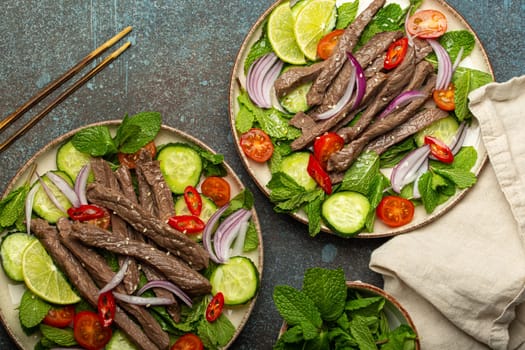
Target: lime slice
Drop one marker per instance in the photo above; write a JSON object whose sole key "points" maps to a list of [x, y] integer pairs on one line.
{"points": [[444, 129], [281, 35], [43, 278], [11, 251], [314, 21]]}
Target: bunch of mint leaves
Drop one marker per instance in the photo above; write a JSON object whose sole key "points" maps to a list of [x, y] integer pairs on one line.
{"points": [[326, 314]]}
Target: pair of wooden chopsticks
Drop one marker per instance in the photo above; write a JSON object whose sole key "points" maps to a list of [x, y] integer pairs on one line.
{"points": [[61, 80]]}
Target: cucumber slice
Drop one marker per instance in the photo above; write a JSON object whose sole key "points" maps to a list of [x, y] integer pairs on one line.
{"points": [[44, 207], [238, 280], [70, 160], [119, 341], [295, 166], [208, 208], [443, 129], [11, 252], [345, 212], [181, 166], [295, 101]]}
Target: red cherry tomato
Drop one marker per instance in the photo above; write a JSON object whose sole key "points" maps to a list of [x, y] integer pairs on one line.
{"points": [[316, 171], [396, 53], [193, 200], [326, 45], [86, 212], [214, 308], [427, 24], [106, 308], [89, 332], [217, 189], [60, 317], [439, 149], [395, 211], [186, 223], [130, 159], [257, 145], [327, 144], [444, 99], [188, 341]]}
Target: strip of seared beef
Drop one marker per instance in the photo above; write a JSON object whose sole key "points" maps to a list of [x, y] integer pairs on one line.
{"points": [[160, 192], [296, 76], [100, 271], [346, 43], [81, 280], [418, 122], [104, 175], [341, 160], [172, 267], [160, 232]]}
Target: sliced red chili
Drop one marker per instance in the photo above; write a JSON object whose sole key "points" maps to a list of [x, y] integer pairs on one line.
{"points": [[316, 171], [439, 149], [186, 223], [214, 308], [86, 212], [106, 308], [193, 200], [396, 53]]}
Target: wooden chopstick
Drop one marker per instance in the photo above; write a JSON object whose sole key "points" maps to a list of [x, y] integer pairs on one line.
{"points": [[64, 95], [62, 79]]}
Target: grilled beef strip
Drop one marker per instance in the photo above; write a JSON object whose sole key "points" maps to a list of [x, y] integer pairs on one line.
{"points": [[311, 129], [98, 268], [174, 310], [104, 175], [81, 280], [347, 42], [341, 160], [145, 196], [172, 267], [296, 76], [160, 232], [418, 122]]}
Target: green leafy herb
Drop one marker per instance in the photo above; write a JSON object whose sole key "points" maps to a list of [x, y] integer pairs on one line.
{"points": [[389, 18], [361, 175], [62, 337], [453, 42], [95, 140], [346, 14], [465, 80], [260, 48], [12, 206], [215, 334], [32, 310], [329, 296]]}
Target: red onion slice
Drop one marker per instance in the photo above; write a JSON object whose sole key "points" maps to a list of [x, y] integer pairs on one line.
{"points": [[238, 246], [117, 278], [29, 206], [444, 73], [261, 77], [406, 170], [133, 299], [65, 188], [227, 232], [81, 182], [168, 286], [360, 80], [401, 101], [208, 232], [459, 138], [50, 194]]}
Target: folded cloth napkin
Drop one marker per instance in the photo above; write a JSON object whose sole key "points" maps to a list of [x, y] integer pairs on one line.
{"points": [[462, 277]]}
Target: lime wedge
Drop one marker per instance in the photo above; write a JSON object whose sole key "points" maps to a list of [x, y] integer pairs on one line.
{"points": [[43, 278], [316, 19], [444, 129], [281, 35], [11, 251]]}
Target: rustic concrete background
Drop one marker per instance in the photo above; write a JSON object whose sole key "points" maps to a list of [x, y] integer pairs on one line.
{"points": [[180, 65]]}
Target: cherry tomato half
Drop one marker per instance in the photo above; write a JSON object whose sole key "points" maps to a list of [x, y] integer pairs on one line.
{"points": [[86, 212], [427, 24], [215, 306], [130, 159], [186, 223], [395, 211], [193, 200], [326, 45], [88, 331], [396, 53], [325, 145], [316, 171], [60, 317], [444, 99], [217, 189], [188, 341], [257, 145], [439, 149], [106, 308]]}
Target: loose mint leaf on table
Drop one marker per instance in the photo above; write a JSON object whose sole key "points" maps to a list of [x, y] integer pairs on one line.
{"points": [[95, 141], [136, 131], [327, 289]]}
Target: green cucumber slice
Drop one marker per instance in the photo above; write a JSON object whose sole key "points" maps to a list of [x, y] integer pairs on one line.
{"points": [[208, 208], [443, 129], [11, 252], [345, 212], [70, 160], [237, 279], [295, 166], [119, 341], [44, 207], [181, 166]]}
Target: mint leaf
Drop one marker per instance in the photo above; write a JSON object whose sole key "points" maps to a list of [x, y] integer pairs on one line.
{"points": [[362, 334], [313, 212], [244, 119], [260, 48], [452, 42], [360, 176], [298, 309], [32, 310], [62, 337], [462, 178], [288, 195], [327, 289], [95, 141], [136, 131], [388, 18], [346, 14], [251, 241], [403, 337], [216, 334], [12, 207], [429, 196], [465, 80]]}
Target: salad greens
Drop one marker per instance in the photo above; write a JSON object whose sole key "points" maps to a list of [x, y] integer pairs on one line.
{"points": [[325, 314]]}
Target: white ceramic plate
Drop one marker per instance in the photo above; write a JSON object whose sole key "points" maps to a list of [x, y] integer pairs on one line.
{"points": [[260, 173], [11, 292]]}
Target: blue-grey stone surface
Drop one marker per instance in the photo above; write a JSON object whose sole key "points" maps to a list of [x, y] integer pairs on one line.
{"points": [[180, 64]]}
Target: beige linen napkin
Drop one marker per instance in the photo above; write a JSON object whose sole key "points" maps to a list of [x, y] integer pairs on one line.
{"points": [[462, 277]]}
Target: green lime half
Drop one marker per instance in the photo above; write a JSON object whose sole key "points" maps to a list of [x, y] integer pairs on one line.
{"points": [[281, 35]]}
